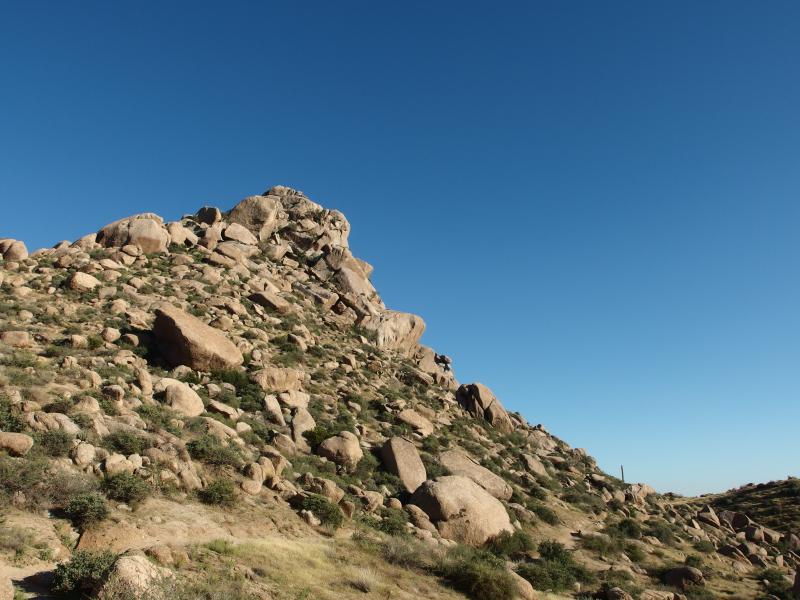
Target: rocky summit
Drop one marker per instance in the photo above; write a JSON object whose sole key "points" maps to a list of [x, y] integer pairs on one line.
{"points": [[223, 407]]}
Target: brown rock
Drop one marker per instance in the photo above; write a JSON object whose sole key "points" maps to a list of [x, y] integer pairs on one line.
{"points": [[82, 282], [17, 339], [279, 379], [401, 458], [13, 250], [462, 510], [185, 340], [272, 301], [343, 449], [16, 444], [683, 577], [146, 231], [459, 463], [258, 214]]}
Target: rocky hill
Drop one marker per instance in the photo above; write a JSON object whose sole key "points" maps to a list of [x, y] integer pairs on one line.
{"points": [[223, 407]]}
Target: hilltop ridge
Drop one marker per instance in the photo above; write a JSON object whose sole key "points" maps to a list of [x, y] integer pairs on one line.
{"points": [[200, 406]]}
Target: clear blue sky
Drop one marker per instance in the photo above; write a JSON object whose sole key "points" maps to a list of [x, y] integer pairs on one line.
{"points": [[593, 205]]}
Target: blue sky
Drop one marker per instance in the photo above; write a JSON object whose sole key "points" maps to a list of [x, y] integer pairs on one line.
{"points": [[593, 205]]}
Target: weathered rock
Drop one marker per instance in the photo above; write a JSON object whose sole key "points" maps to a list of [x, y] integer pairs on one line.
{"points": [[535, 465], [279, 379], [416, 421], [401, 458], [17, 339], [398, 331], [185, 340], [145, 231], [82, 282], [239, 233], [302, 421], [479, 401], [462, 510], [133, 576], [182, 399], [459, 463], [272, 301], [343, 449], [16, 444], [525, 590], [258, 214], [13, 250]]}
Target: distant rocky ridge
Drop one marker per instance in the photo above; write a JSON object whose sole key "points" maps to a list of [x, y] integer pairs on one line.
{"points": [[249, 347]]}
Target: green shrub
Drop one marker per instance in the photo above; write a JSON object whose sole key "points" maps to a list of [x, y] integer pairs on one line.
{"points": [[9, 421], [23, 475], [556, 569], [626, 528], [776, 584], [393, 522], [325, 510], [220, 491], [607, 546], [546, 514], [86, 509], [210, 450], [159, 416], [478, 574], [511, 545], [661, 530], [84, 573], [126, 487], [55, 443], [343, 422], [126, 442], [705, 546]]}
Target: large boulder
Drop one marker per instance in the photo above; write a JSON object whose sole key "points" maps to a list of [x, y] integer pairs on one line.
{"points": [[462, 510], [478, 400], [146, 231], [185, 340], [279, 379], [258, 214], [134, 576], [459, 463], [343, 449], [398, 331], [181, 398], [82, 282], [16, 444], [13, 250], [401, 458]]}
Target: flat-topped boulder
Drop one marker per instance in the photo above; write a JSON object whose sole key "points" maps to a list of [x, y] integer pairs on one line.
{"points": [[185, 340], [258, 214]]}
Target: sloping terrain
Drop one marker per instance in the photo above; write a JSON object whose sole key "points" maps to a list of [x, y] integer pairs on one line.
{"points": [[223, 407]]}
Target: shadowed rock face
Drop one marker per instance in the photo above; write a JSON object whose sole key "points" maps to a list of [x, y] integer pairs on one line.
{"points": [[185, 340], [479, 400]]}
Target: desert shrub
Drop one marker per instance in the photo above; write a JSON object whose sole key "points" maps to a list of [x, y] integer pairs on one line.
{"points": [[220, 491], [14, 539], [9, 421], [59, 405], [555, 570], [86, 509], [343, 422], [546, 514], [478, 573], [23, 475], [511, 545], [55, 443], [625, 528], [433, 467], [392, 522], [776, 584], [407, 552], [693, 560], [221, 546], [584, 499], [126, 442], [84, 572], [211, 450], [126, 487], [603, 545], [704, 546], [159, 416], [661, 530], [325, 510]]}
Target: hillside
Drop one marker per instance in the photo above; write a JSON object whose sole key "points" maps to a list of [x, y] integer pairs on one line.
{"points": [[223, 407], [775, 504]]}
